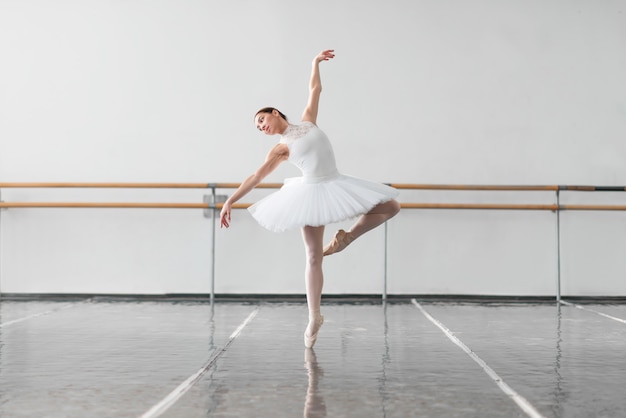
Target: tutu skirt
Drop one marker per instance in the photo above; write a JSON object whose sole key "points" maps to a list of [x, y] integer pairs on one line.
{"points": [[314, 202]]}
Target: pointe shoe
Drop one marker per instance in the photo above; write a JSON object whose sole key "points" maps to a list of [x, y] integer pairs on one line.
{"points": [[309, 341], [339, 243]]}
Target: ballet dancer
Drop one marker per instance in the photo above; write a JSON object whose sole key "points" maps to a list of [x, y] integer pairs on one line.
{"points": [[320, 197]]}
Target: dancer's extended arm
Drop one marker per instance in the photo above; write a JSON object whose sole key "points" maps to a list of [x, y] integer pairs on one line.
{"points": [[277, 155], [315, 86]]}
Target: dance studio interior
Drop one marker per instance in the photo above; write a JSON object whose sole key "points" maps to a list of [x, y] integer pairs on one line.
{"points": [[497, 290]]}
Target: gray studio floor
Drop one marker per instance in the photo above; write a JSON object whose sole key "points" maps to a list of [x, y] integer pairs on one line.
{"points": [[129, 358]]}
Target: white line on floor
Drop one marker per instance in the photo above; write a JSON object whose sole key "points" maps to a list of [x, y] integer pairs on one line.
{"points": [[517, 398], [614, 318], [59, 308], [177, 393]]}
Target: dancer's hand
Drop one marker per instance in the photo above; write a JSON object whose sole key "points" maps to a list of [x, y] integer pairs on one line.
{"points": [[325, 55], [225, 215]]}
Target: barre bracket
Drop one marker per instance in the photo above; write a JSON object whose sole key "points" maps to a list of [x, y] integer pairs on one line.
{"points": [[212, 201]]}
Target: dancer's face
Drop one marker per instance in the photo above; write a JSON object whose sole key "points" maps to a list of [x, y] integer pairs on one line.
{"points": [[269, 123]]}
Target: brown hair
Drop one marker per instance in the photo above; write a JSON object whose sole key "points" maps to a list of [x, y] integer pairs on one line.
{"points": [[270, 110]]}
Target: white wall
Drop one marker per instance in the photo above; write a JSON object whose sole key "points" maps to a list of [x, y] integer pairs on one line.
{"points": [[468, 92]]}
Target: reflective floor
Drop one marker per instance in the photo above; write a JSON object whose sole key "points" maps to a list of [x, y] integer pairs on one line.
{"points": [[104, 358]]}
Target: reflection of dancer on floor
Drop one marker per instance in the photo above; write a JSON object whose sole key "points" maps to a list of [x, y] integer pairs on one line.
{"points": [[314, 405], [320, 197]]}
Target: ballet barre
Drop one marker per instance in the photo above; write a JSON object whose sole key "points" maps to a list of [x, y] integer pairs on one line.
{"points": [[485, 206], [214, 202], [409, 186], [403, 186], [117, 205], [205, 206], [61, 185]]}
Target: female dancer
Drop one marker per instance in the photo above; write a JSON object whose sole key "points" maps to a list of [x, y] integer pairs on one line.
{"points": [[320, 197]]}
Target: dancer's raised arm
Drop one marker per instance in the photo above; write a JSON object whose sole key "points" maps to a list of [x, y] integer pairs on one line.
{"points": [[315, 86]]}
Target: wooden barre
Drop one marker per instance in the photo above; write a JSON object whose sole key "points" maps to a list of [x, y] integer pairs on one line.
{"points": [[171, 205], [401, 186], [147, 205], [132, 185], [404, 186], [105, 185], [485, 206]]}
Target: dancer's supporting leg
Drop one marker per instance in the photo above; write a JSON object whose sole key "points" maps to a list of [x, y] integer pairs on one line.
{"points": [[379, 214], [313, 237]]}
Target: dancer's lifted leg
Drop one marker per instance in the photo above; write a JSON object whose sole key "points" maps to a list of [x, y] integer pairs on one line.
{"points": [[366, 222]]}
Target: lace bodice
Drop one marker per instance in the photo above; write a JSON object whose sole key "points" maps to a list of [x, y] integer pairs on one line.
{"points": [[294, 132], [310, 151]]}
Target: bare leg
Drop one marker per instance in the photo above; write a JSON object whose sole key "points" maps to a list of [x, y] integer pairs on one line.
{"points": [[378, 215], [366, 222], [313, 237]]}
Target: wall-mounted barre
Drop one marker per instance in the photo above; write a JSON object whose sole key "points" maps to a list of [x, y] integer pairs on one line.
{"points": [[61, 185], [409, 186], [169, 205], [120, 205], [213, 202], [217, 205]]}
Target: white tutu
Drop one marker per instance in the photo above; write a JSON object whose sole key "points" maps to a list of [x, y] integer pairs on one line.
{"points": [[305, 201]]}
